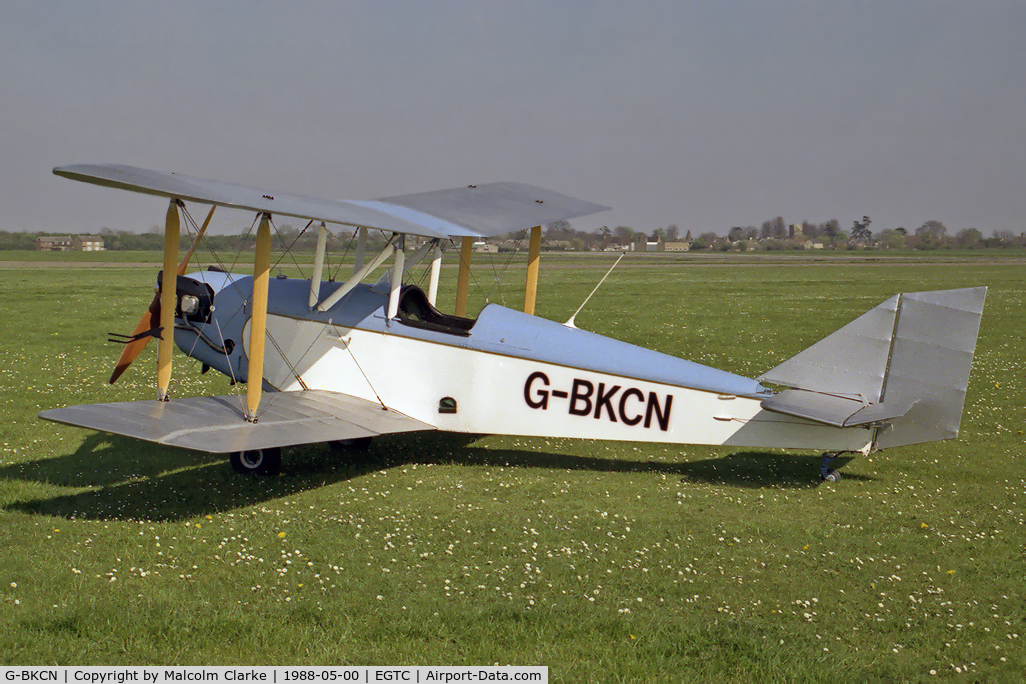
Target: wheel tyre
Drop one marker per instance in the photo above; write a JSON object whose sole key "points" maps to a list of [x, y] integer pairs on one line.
{"points": [[257, 461]]}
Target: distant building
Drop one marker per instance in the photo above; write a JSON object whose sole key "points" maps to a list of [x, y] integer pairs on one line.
{"points": [[68, 243], [643, 244], [53, 243], [796, 230], [87, 243], [677, 246]]}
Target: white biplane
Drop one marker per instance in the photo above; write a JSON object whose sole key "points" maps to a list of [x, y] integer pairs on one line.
{"points": [[351, 361]]}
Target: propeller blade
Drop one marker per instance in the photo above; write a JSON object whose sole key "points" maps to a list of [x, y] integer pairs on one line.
{"points": [[151, 319]]}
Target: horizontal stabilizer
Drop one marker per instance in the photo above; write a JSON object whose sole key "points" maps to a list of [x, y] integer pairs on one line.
{"points": [[833, 410], [484, 210], [218, 424]]}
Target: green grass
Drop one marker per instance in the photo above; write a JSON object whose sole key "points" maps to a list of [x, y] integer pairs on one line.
{"points": [[82, 257], [603, 561]]}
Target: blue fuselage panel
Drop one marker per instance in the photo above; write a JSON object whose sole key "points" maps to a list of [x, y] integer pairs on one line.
{"points": [[498, 330]]}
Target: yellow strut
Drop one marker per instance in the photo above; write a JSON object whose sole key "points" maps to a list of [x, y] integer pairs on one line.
{"points": [[463, 280], [533, 258], [258, 323], [168, 300]]}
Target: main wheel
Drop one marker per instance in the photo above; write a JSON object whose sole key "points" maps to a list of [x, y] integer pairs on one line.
{"points": [[825, 471], [257, 461]]}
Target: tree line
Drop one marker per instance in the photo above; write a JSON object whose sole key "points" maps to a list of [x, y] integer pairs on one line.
{"points": [[777, 234], [774, 234], [125, 241], [932, 234]]}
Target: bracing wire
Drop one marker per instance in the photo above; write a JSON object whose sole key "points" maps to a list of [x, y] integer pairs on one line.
{"points": [[349, 245], [288, 248], [497, 276]]}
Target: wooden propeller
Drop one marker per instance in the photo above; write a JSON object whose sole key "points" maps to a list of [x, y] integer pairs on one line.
{"points": [[151, 319]]}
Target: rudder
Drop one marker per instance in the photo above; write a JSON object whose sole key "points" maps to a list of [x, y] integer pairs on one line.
{"points": [[931, 356]]}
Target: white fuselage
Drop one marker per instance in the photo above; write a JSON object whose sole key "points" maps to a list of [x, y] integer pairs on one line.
{"points": [[505, 373], [504, 394]]}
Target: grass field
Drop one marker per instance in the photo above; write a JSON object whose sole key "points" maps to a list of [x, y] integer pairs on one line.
{"points": [[604, 561]]}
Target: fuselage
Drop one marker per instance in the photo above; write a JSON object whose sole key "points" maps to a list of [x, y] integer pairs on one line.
{"points": [[505, 373]]}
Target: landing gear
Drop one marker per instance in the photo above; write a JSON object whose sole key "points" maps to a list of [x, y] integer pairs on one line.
{"points": [[257, 462], [825, 471]]}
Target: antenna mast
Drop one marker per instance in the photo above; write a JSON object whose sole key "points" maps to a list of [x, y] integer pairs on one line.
{"points": [[570, 321]]}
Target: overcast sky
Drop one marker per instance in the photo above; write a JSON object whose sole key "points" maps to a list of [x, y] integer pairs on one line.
{"points": [[701, 114]]}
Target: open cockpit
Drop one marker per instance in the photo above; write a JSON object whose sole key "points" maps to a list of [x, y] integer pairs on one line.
{"points": [[416, 311]]}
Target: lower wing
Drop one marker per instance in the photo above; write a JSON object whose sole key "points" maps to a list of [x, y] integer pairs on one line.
{"points": [[218, 424]]}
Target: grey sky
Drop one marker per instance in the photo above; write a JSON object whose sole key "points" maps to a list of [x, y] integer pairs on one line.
{"points": [[704, 114]]}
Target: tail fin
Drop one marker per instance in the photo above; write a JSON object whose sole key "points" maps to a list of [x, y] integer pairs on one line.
{"points": [[904, 366]]}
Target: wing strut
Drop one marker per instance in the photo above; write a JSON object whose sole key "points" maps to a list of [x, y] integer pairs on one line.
{"points": [[533, 259], [361, 248], [463, 280], [261, 269], [150, 321], [436, 269], [358, 277], [408, 263], [398, 269], [318, 269], [168, 297], [418, 255]]}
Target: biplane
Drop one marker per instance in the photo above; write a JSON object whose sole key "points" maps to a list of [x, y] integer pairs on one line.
{"points": [[344, 362]]}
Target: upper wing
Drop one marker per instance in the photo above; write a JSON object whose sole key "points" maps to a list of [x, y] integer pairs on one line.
{"points": [[475, 211], [218, 424]]}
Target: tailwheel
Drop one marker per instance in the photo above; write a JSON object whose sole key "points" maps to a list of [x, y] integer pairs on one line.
{"points": [[825, 471], [257, 461]]}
